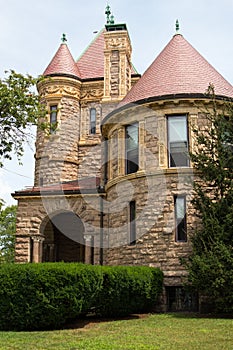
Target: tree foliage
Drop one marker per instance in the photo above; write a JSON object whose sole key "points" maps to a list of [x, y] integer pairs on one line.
{"points": [[7, 233], [210, 266], [20, 108]]}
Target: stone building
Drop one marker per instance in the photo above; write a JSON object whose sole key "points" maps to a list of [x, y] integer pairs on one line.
{"points": [[113, 179]]}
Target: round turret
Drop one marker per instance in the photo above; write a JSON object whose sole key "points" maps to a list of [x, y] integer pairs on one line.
{"points": [[57, 152]]}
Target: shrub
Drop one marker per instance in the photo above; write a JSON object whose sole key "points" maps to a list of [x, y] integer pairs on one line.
{"points": [[128, 290], [46, 296], [38, 296]]}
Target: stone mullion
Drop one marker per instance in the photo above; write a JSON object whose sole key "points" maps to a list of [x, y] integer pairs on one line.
{"points": [[162, 136], [82, 128], [121, 151], [110, 158], [192, 123]]}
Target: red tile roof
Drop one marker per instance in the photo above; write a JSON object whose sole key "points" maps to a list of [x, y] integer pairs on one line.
{"points": [[178, 69], [63, 63], [82, 185], [91, 62]]}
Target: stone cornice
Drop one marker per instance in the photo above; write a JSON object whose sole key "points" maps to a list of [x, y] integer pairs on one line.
{"points": [[57, 87], [145, 174], [194, 100]]}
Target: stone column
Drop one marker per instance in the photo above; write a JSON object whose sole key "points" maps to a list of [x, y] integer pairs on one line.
{"points": [[37, 248], [88, 249], [51, 252]]}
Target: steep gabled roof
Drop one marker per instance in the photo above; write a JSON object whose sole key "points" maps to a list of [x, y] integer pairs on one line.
{"points": [[63, 63], [179, 69], [91, 62]]}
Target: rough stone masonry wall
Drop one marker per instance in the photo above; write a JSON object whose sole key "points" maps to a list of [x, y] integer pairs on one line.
{"points": [[89, 145], [153, 188], [57, 154], [155, 224]]}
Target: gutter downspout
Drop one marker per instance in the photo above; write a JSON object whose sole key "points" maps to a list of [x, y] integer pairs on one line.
{"points": [[101, 214]]}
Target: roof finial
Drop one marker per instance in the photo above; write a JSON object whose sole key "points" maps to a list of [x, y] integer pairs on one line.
{"points": [[107, 13], [63, 39], [109, 19], [112, 21], [177, 27]]}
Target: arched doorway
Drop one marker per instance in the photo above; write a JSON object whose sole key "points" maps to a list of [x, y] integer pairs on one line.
{"points": [[63, 238]]}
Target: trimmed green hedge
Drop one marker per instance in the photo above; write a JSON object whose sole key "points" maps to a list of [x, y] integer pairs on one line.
{"points": [[128, 290], [46, 296]]}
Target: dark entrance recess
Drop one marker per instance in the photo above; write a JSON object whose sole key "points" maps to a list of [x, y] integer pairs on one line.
{"points": [[64, 239], [179, 299]]}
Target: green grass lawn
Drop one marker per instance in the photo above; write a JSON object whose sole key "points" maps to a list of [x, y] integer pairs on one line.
{"points": [[150, 332]]}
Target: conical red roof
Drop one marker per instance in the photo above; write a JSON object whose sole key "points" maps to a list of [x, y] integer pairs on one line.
{"points": [[63, 63], [179, 69]]}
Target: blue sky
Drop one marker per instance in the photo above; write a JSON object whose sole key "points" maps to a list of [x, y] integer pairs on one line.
{"points": [[30, 33]]}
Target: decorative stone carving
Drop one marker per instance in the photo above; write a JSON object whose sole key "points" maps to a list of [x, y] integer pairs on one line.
{"points": [[59, 89], [117, 57], [92, 94], [115, 43]]}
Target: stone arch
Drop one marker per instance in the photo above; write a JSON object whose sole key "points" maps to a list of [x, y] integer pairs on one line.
{"points": [[64, 237]]}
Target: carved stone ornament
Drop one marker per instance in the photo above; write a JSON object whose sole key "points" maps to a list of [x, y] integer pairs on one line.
{"points": [[92, 93], [115, 43], [61, 90]]}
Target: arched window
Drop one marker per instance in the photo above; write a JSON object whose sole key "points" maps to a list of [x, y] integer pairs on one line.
{"points": [[92, 121]]}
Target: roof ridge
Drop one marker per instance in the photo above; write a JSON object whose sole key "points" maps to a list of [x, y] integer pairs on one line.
{"points": [[89, 45]]}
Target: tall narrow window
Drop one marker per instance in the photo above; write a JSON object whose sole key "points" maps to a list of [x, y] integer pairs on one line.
{"points": [[92, 121], [53, 119], [131, 148], [178, 141], [180, 218], [132, 222], [31, 250]]}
